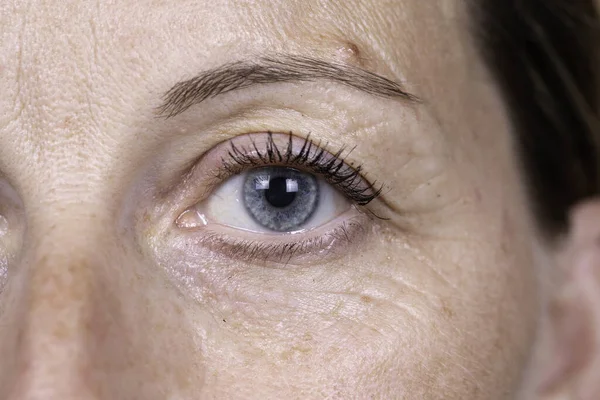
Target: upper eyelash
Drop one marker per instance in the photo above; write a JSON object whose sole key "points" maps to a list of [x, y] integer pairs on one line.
{"points": [[313, 156]]}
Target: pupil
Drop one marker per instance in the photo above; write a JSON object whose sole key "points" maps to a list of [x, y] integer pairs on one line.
{"points": [[277, 194]]}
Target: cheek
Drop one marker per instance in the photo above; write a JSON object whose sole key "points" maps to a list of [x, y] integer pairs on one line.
{"points": [[407, 310]]}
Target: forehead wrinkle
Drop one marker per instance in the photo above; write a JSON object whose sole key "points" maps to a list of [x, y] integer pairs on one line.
{"points": [[155, 53]]}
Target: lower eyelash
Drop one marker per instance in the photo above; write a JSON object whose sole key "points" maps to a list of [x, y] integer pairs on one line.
{"points": [[315, 249]]}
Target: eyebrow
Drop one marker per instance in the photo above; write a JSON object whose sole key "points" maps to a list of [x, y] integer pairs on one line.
{"points": [[275, 69]]}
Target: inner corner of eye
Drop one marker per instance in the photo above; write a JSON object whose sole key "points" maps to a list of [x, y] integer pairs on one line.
{"points": [[191, 218]]}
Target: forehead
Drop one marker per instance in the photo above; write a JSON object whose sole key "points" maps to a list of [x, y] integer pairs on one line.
{"points": [[77, 76], [90, 49], [249, 25]]}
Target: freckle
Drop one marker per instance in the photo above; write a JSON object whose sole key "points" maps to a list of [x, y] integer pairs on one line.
{"points": [[366, 299], [286, 355], [67, 122], [178, 309], [448, 312], [302, 349]]}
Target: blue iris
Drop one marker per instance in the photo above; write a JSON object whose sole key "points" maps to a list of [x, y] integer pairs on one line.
{"points": [[280, 199]]}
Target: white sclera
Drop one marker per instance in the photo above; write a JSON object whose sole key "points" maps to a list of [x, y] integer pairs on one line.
{"points": [[226, 207]]}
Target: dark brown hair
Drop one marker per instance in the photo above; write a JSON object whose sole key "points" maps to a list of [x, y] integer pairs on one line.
{"points": [[544, 55]]}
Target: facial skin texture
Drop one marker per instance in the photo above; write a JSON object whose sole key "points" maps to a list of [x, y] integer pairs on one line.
{"points": [[105, 298]]}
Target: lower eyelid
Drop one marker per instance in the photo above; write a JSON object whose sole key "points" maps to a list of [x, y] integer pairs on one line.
{"points": [[313, 247]]}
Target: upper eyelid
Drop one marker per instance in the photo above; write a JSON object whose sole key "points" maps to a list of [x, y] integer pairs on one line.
{"points": [[311, 155], [201, 175]]}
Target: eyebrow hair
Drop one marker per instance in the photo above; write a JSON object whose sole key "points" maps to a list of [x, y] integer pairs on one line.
{"points": [[275, 69]]}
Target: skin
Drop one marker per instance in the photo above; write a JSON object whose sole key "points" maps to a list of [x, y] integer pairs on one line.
{"points": [[104, 297], [571, 370]]}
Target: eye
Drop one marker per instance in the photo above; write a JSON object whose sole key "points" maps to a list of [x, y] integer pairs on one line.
{"points": [[278, 196], [275, 200]]}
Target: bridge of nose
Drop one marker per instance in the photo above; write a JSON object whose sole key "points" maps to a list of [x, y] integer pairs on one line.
{"points": [[84, 318]]}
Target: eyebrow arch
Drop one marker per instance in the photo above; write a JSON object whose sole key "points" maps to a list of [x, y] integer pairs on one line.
{"points": [[275, 69]]}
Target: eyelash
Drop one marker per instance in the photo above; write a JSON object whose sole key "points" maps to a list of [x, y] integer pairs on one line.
{"points": [[312, 157], [250, 250]]}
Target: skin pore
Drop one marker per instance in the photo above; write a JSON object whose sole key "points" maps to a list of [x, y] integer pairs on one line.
{"points": [[434, 295]]}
